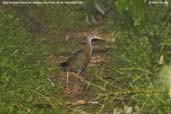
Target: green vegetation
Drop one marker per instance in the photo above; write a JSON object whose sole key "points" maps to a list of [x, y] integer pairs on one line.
{"points": [[32, 41], [24, 70]]}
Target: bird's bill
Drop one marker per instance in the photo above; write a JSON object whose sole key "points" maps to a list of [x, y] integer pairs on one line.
{"points": [[96, 37]]}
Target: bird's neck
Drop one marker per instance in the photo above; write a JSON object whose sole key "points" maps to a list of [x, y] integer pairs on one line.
{"points": [[88, 47]]}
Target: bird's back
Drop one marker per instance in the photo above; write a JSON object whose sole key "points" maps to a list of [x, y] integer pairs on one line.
{"points": [[78, 61]]}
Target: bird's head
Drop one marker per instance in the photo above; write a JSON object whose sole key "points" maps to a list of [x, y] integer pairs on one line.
{"points": [[91, 36]]}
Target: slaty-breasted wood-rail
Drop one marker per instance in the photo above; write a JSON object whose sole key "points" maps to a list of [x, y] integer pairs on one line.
{"points": [[78, 61]]}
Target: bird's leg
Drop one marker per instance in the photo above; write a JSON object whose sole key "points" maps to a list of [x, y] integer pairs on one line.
{"points": [[67, 83], [67, 73], [76, 83]]}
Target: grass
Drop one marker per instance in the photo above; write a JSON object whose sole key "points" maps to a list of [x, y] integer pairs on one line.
{"points": [[130, 81], [24, 70]]}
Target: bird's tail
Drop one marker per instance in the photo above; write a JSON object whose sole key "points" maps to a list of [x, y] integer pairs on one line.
{"points": [[63, 65]]}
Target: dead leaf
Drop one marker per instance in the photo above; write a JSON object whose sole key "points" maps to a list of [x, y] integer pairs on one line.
{"points": [[161, 61], [76, 103]]}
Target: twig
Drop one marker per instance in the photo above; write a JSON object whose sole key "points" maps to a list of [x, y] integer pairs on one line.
{"points": [[67, 107], [133, 92]]}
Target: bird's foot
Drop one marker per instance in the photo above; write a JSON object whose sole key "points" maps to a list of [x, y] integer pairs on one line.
{"points": [[76, 92], [67, 90]]}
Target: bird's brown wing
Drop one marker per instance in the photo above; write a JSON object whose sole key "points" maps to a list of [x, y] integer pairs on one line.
{"points": [[77, 61]]}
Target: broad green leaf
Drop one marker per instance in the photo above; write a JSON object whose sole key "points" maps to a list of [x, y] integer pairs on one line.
{"points": [[99, 8], [121, 5]]}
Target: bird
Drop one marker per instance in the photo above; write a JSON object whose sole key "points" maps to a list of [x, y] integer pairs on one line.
{"points": [[78, 61]]}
